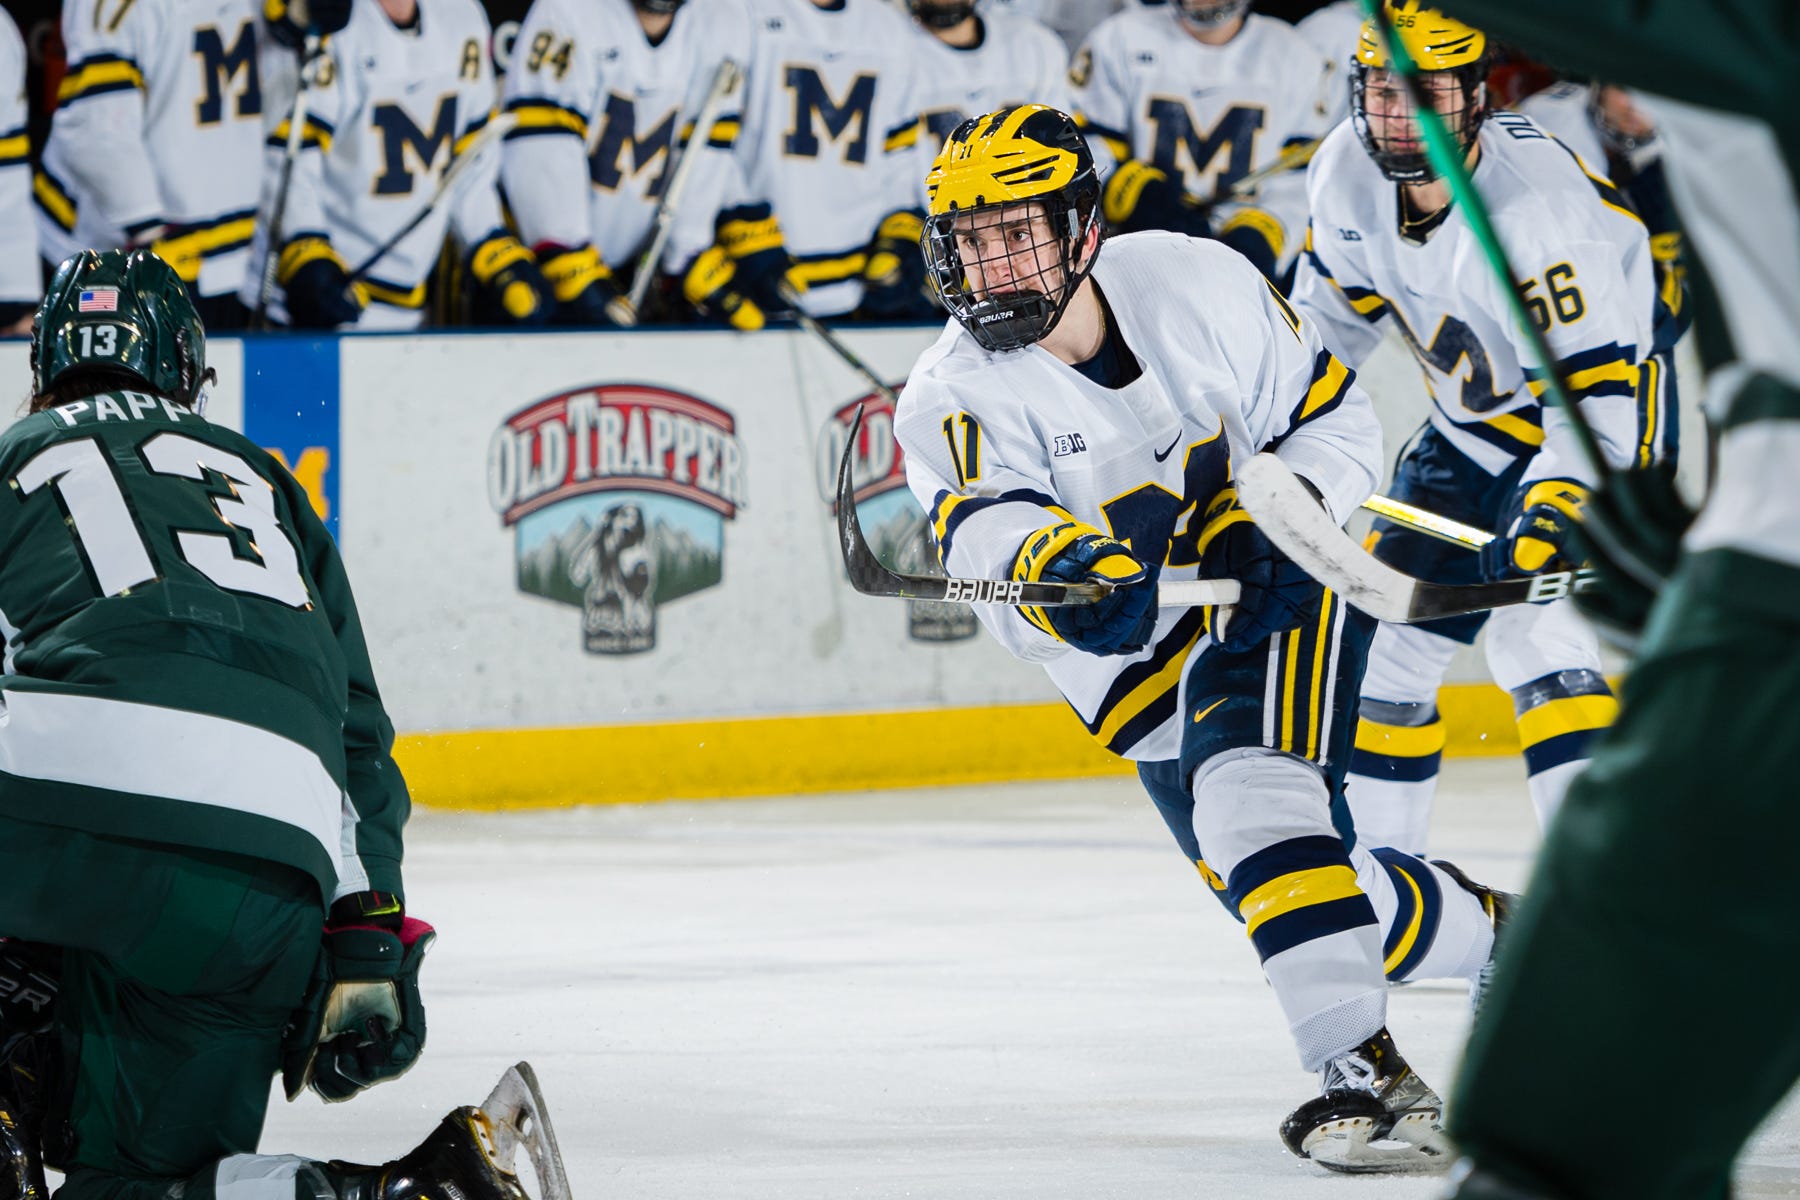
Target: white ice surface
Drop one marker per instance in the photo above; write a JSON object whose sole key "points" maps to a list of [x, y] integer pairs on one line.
{"points": [[988, 993]]}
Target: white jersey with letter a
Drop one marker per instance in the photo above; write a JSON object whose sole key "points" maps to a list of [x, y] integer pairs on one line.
{"points": [[603, 114], [1017, 61], [20, 282], [1000, 445], [1208, 115], [391, 109], [828, 134], [1588, 279], [158, 121]]}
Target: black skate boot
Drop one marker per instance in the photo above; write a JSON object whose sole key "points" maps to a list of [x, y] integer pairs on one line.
{"points": [[1375, 1116], [457, 1162], [1498, 906]]}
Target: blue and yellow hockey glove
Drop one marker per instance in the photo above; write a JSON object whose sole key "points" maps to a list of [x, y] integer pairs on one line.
{"points": [[509, 288], [581, 283], [1537, 534], [361, 1021], [894, 277], [316, 286], [1275, 595], [1120, 623]]}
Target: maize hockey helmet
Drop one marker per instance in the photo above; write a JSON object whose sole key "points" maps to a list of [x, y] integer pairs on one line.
{"points": [[1012, 198], [120, 310], [1453, 62]]}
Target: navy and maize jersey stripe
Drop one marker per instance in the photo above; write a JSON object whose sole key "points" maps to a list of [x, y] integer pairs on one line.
{"points": [[539, 117], [1330, 383], [1301, 660], [901, 137], [818, 270], [1368, 303], [97, 75], [950, 510], [316, 131], [724, 132], [1296, 891], [1518, 432], [1144, 694], [468, 135], [223, 234], [391, 294], [1416, 920], [1609, 370], [53, 199], [15, 147]]}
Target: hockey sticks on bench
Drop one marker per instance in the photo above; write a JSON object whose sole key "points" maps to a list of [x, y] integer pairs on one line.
{"points": [[623, 310], [870, 577], [311, 63], [497, 127], [1285, 511], [820, 330]]}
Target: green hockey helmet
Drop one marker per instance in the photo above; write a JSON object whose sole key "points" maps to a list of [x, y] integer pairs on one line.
{"points": [[124, 311]]}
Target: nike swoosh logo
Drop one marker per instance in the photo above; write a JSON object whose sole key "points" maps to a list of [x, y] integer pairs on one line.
{"points": [[1201, 715], [1160, 455]]}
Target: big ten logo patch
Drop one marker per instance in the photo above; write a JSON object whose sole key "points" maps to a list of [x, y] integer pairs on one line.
{"points": [[891, 518], [309, 471], [617, 495]]}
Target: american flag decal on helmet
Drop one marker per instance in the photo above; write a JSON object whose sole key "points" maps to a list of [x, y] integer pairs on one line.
{"points": [[99, 299]]}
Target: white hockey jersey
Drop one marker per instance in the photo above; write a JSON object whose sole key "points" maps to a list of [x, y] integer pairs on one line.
{"points": [[1208, 115], [1334, 32], [1588, 279], [1017, 61], [1000, 445], [20, 282], [602, 116], [391, 108], [158, 121], [1563, 110], [829, 133]]}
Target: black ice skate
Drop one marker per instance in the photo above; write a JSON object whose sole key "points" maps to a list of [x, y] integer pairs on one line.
{"points": [[1498, 906], [469, 1156], [1375, 1116]]}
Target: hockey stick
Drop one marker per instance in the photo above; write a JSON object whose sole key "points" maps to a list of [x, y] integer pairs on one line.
{"points": [[870, 577], [1305, 532], [497, 127], [311, 52], [1291, 158], [1425, 521], [818, 329], [623, 310]]}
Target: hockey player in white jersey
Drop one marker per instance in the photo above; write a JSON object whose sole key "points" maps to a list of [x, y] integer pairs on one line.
{"points": [[606, 92], [18, 233], [977, 60], [402, 90], [1387, 244], [1190, 97], [156, 141], [1075, 422], [825, 165], [1332, 31]]}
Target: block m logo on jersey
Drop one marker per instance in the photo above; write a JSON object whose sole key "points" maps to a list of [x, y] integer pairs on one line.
{"points": [[219, 66], [847, 122], [1453, 345], [1234, 136], [618, 134], [401, 137]]}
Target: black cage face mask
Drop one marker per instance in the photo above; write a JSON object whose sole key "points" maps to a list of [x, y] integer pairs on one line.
{"points": [[1007, 272]]}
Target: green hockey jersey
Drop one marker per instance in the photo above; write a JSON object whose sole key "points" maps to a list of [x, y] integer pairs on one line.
{"points": [[183, 662]]}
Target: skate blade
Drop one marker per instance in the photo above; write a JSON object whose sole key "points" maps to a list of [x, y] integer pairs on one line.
{"points": [[1414, 1146], [517, 1116]]}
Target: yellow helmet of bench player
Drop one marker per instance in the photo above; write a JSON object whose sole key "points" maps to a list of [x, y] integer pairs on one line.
{"points": [[1449, 54], [1026, 154]]}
